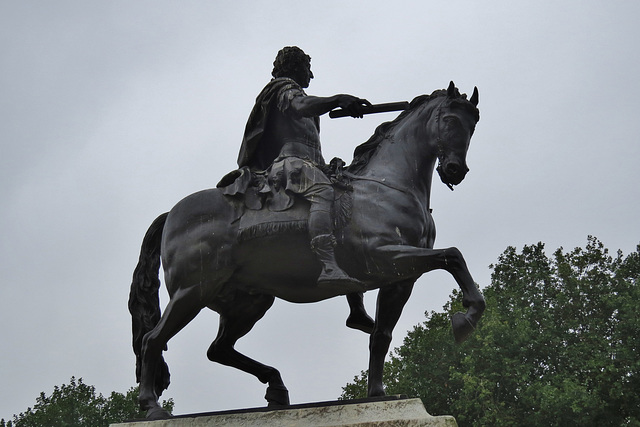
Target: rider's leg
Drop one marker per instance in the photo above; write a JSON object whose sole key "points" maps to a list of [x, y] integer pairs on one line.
{"points": [[323, 241]]}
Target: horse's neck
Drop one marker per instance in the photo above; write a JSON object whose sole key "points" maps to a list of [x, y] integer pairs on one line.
{"points": [[402, 162]]}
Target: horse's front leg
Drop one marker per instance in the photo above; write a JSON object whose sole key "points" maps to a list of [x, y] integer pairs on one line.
{"points": [[391, 301], [411, 260]]}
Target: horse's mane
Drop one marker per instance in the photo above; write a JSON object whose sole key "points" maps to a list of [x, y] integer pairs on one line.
{"points": [[365, 151]]}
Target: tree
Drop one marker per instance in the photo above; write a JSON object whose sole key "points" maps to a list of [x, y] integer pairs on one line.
{"points": [[76, 404], [558, 345]]}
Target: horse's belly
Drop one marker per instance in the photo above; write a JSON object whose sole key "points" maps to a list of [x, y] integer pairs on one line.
{"points": [[281, 265]]}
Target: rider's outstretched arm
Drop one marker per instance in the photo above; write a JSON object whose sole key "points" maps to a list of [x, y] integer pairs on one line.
{"points": [[310, 106]]}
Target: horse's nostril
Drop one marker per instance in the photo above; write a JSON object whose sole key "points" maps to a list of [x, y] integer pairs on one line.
{"points": [[452, 169]]}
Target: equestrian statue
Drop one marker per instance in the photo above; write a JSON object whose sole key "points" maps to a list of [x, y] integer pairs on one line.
{"points": [[285, 224]]}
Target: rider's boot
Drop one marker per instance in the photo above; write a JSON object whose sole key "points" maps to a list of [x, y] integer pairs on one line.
{"points": [[332, 275]]}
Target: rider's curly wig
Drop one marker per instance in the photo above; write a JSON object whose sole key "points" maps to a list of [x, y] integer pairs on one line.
{"points": [[289, 60]]}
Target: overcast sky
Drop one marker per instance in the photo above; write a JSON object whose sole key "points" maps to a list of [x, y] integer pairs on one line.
{"points": [[113, 111]]}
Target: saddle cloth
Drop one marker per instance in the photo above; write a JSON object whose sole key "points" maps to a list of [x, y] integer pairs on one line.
{"points": [[261, 212]]}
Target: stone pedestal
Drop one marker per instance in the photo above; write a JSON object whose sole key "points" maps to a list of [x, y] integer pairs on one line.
{"points": [[386, 412]]}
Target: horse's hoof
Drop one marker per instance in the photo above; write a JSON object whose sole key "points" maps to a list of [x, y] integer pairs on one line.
{"points": [[376, 392], [158, 413], [462, 327], [277, 396], [362, 323]]}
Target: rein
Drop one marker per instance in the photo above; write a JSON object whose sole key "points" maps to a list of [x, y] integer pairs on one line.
{"points": [[386, 184], [440, 156]]}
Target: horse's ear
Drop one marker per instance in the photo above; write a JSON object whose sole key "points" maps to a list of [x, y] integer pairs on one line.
{"points": [[474, 97], [451, 90]]}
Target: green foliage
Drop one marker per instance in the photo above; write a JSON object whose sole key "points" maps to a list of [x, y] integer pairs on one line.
{"points": [[558, 345], [77, 405]]}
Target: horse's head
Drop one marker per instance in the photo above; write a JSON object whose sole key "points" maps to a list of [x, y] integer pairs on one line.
{"points": [[451, 127], [439, 126]]}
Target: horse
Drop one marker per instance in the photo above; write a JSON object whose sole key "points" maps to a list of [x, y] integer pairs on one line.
{"points": [[387, 244]]}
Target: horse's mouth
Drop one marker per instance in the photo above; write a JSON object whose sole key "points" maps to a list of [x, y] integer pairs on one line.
{"points": [[452, 174]]}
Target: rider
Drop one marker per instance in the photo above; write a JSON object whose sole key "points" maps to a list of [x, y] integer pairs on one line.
{"points": [[282, 133]]}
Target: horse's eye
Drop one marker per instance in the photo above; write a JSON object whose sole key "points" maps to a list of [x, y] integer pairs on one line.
{"points": [[450, 120]]}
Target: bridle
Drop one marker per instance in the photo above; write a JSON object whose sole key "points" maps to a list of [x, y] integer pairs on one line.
{"points": [[440, 145]]}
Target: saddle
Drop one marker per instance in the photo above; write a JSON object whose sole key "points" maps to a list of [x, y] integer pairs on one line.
{"points": [[265, 209]]}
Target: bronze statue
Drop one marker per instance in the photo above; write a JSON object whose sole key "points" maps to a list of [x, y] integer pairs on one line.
{"points": [[235, 248]]}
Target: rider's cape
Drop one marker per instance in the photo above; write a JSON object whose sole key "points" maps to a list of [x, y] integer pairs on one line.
{"points": [[254, 184], [282, 180], [257, 122]]}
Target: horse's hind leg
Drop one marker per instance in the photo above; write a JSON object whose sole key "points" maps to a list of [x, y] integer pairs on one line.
{"points": [[184, 305], [237, 318], [358, 317]]}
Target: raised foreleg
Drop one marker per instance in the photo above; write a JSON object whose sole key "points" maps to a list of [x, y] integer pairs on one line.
{"points": [[408, 260], [237, 318], [391, 301]]}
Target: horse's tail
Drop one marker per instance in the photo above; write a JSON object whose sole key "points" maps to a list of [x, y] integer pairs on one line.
{"points": [[144, 302]]}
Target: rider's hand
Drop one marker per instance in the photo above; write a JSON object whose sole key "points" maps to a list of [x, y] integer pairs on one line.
{"points": [[353, 105]]}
